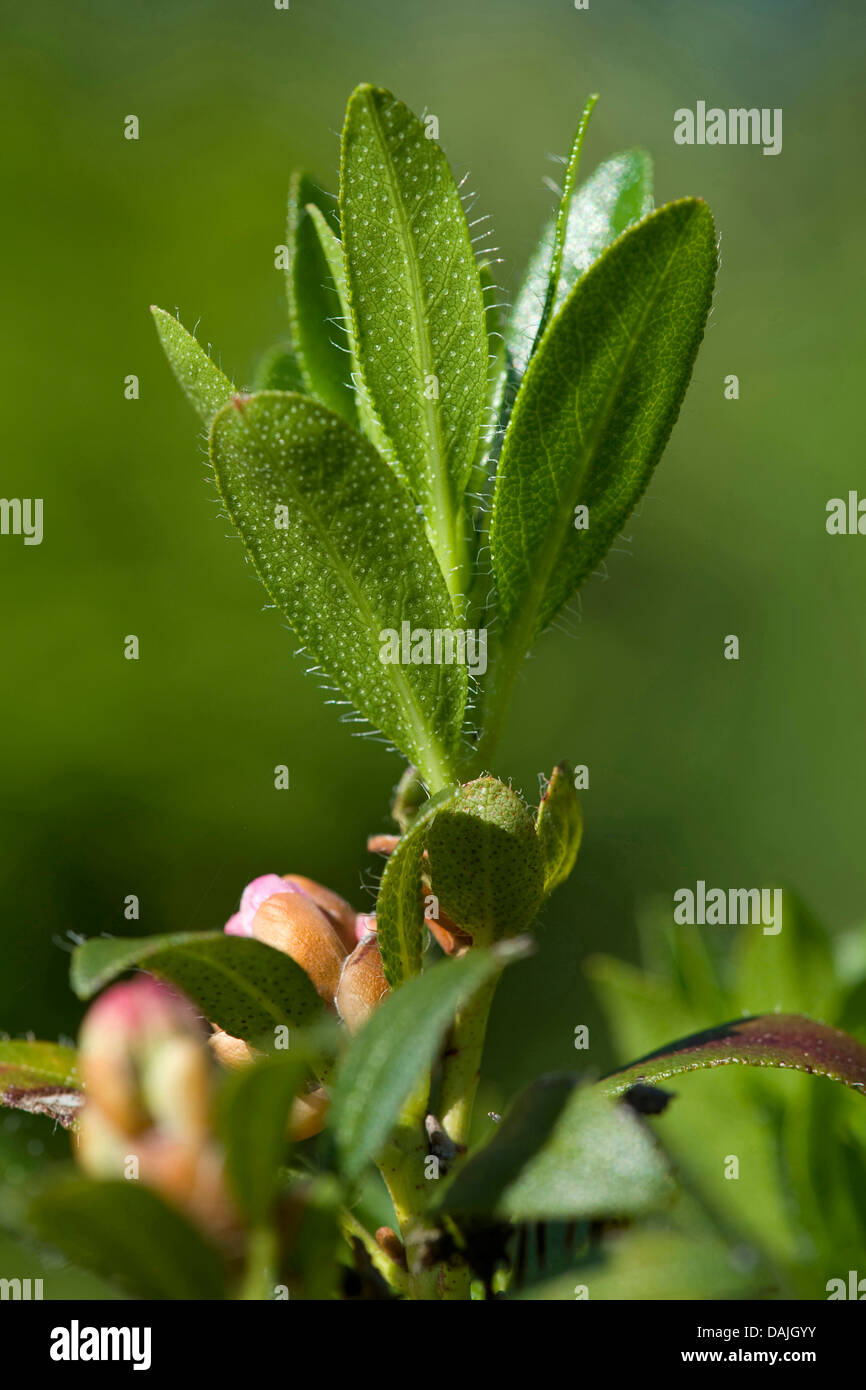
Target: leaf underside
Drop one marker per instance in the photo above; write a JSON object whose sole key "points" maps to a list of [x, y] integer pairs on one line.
{"points": [[774, 1040], [40, 1078]]}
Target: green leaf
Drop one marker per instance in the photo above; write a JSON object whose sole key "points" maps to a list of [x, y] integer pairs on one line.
{"points": [[125, 1233], [42, 1078], [244, 987], [777, 1040], [659, 1265], [204, 384], [400, 904], [333, 253], [337, 542], [485, 861], [595, 410], [560, 225], [314, 304], [559, 827], [254, 1110], [616, 196], [278, 370], [791, 970], [397, 1045], [563, 1151], [417, 309]]}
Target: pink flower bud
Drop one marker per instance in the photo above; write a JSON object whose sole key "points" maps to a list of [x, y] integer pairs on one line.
{"points": [[255, 893], [144, 1058]]}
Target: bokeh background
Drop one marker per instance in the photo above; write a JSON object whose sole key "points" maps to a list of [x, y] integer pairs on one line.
{"points": [[155, 777]]}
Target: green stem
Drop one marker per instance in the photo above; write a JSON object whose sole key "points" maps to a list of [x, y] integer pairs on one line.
{"points": [[461, 1067], [394, 1275], [261, 1264]]}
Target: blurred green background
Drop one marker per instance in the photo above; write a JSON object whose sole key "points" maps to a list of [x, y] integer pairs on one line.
{"points": [[156, 777]]}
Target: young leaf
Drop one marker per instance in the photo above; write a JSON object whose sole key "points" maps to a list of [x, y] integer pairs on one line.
{"points": [[563, 1151], [417, 308], [399, 903], [42, 1078], [314, 304], [203, 383], [278, 370], [595, 410], [397, 1045], [254, 1110], [485, 861], [777, 1040], [338, 544], [559, 827], [241, 985], [124, 1232], [616, 196], [560, 224], [333, 253]]}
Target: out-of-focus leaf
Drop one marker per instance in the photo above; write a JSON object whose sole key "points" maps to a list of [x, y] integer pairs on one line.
{"points": [[595, 411], [790, 970], [559, 827], [616, 196], [125, 1233], [244, 987], [563, 1151], [397, 1045], [341, 550], [417, 309], [314, 304], [659, 1265], [40, 1077], [254, 1110], [278, 370], [203, 383], [485, 861]]}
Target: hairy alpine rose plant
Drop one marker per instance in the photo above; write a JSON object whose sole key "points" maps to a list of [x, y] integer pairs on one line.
{"points": [[422, 482]]}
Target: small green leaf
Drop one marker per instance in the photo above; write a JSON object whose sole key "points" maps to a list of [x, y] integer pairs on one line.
{"points": [[338, 544], [40, 1077], [563, 1151], [125, 1233], [485, 861], [397, 1045], [254, 1110], [314, 304], [244, 987], [777, 1040], [616, 196], [399, 903], [278, 370], [595, 410], [333, 253], [560, 224], [559, 827], [204, 384], [417, 309]]}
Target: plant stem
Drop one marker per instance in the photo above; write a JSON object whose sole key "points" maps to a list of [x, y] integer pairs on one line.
{"points": [[461, 1067], [395, 1277]]}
